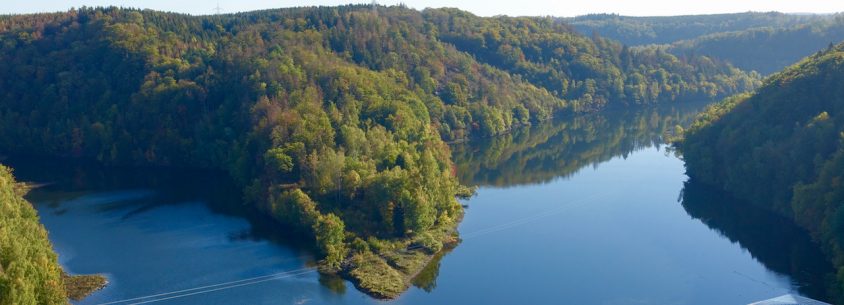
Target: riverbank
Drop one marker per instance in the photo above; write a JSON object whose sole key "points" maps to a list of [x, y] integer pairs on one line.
{"points": [[76, 287], [386, 270]]}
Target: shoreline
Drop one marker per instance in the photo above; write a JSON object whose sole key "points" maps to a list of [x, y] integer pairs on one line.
{"points": [[406, 278], [79, 287], [389, 273]]}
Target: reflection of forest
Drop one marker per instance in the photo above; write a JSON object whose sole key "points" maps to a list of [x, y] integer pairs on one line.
{"points": [[772, 239], [562, 147]]}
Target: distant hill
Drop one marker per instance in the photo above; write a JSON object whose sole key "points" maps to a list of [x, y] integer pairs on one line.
{"points": [[782, 148], [634, 31], [766, 49], [761, 42]]}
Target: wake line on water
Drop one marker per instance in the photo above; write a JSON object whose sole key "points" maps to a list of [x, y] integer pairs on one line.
{"points": [[215, 287], [311, 269]]}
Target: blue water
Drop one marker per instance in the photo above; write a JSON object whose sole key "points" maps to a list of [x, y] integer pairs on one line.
{"points": [[614, 229]]}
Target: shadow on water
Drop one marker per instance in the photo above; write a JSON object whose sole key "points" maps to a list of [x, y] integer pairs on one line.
{"points": [[133, 191], [773, 240]]}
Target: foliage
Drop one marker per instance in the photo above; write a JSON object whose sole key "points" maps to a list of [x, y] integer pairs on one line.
{"points": [[332, 119], [781, 148], [329, 233], [767, 49], [634, 31], [753, 41], [29, 269], [592, 73]]}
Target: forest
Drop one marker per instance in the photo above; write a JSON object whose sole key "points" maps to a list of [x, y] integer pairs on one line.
{"points": [[637, 31], [334, 120], [781, 148], [29, 269], [767, 49], [765, 42]]}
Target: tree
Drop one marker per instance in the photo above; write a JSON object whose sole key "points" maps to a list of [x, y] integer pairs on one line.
{"points": [[329, 230]]}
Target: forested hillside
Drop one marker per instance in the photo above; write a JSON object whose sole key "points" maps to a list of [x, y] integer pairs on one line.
{"points": [[762, 42], [29, 270], [592, 73], [766, 49], [782, 147], [333, 119], [634, 31]]}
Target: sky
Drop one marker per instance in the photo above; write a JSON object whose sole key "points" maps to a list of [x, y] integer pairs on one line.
{"points": [[479, 7]]}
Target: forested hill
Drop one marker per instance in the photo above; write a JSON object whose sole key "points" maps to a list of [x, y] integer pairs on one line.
{"points": [[635, 31], [333, 119], [762, 42], [591, 73], [782, 148], [767, 49]]}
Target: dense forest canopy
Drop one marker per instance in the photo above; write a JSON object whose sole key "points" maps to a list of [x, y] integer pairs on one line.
{"points": [[590, 72], [635, 31], [29, 269], [761, 42], [782, 147], [766, 49], [332, 119]]}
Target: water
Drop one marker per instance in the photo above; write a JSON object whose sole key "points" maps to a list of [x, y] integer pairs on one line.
{"points": [[588, 210]]}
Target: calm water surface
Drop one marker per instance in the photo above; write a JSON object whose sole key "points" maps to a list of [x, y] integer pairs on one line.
{"points": [[588, 210]]}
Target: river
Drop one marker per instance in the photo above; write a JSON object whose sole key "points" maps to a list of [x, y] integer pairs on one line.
{"points": [[585, 210]]}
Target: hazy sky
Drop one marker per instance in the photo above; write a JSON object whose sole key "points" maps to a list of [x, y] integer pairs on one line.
{"points": [[480, 7]]}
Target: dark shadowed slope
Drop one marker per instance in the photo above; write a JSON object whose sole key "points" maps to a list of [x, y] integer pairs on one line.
{"points": [[781, 147]]}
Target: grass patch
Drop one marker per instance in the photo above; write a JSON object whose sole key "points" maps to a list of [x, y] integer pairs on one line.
{"points": [[80, 286], [385, 268], [408, 262], [372, 274]]}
